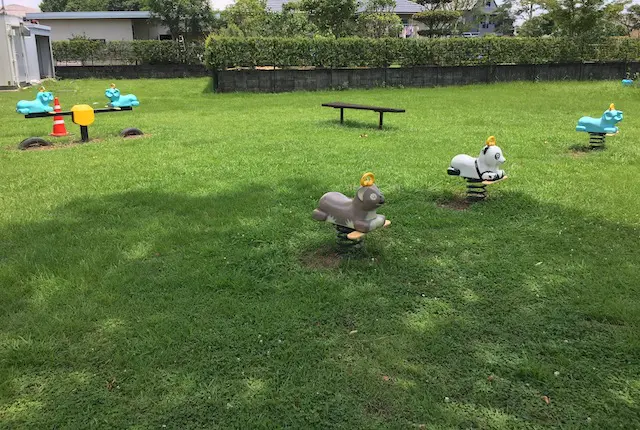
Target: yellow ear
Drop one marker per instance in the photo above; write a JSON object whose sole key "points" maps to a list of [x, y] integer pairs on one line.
{"points": [[612, 107], [367, 179], [491, 141], [42, 90], [112, 85]]}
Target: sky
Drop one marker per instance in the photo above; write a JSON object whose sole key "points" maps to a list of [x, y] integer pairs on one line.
{"points": [[216, 4]]}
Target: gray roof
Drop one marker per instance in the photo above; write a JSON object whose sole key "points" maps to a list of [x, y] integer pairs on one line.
{"points": [[134, 14], [402, 6]]}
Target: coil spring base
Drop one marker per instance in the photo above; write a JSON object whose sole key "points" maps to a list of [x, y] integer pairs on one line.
{"points": [[596, 140], [476, 190], [344, 243]]}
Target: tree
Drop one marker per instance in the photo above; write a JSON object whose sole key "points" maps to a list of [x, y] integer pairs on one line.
{"points": [[291, 22], [85, 5], [526, 9], [190, 18], [379, 19], [578, 18], [126, 4], [332, 17], [438, 18], [91, 5], [540, 25], [613, 18], [504, 19], [53, 5], [631, 19], [248, 16]]}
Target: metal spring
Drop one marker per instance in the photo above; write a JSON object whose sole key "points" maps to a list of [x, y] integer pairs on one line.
{"points": [[476, 190], [343, 242], [596, 140]]}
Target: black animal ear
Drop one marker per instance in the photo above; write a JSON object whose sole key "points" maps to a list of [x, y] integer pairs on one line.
{"points": [[486, 148]]}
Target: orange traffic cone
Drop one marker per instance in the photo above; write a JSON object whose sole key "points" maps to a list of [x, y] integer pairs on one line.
{"points": [[58, 121]]}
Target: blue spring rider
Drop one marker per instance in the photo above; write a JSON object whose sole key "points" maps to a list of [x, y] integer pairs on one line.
{"points": [[606, 124], [627, 82], [39, 105], [599, 128], [117, 101]]}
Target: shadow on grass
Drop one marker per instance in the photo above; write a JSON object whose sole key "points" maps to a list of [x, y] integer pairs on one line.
{"points": [[348, 123], [208, 89], [584, 148], [153, 309]]}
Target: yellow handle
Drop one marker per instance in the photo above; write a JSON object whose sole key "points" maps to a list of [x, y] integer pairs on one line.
{"points": [[367, 179]]}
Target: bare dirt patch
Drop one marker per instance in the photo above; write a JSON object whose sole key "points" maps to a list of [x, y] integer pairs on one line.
{"points": [[455, 203], [322, 258]]}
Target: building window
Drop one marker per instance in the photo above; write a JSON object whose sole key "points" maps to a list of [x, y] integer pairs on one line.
{"points": [[165, 37], [485, 25], [488, 4], [98, 40]]}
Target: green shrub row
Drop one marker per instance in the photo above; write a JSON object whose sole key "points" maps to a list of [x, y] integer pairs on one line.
{"points": [[227, 52], [128, 52]]}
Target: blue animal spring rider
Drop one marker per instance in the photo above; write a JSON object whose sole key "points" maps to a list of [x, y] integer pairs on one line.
{"points": [[599, 128]]}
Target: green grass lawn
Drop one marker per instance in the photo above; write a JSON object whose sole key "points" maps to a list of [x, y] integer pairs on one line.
{"points": [[178, 281]]}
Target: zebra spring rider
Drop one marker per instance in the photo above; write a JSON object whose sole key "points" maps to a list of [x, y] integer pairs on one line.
{"points": [[479, 172], [353, 218], [599, 128]]}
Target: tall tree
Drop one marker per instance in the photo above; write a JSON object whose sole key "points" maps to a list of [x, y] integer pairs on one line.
{"points": [[53, 5], [438, 17], [614, 18], [290, 22], [333, 17], [527, 9], [190, 18], [85, 5], [504, 18], [631, 18], [539, 25], [248, 16], [126, 4], [379, 19], [578, 18], [91, 5]]}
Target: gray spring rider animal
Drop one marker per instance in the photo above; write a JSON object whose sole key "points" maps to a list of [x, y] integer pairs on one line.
{"points": [[358, 215]]}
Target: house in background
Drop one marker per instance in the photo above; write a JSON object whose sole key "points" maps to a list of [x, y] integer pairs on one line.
{"points": [[25, 52], [487, 24], [104, 26], [404, 9]]}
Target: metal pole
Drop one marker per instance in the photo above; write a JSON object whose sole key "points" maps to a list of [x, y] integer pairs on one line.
{"points": [[84, 132]]}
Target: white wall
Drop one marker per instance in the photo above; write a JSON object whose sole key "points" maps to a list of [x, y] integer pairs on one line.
{"points": [[107, 29], [145, 29], [6, 77], [33, 72]]}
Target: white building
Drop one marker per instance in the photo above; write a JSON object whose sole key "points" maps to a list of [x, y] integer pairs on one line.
{"points": [[104, 26], [25, 52]]}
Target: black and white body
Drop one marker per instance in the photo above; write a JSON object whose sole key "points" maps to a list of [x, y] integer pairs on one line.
{"points": [[483, 168]]}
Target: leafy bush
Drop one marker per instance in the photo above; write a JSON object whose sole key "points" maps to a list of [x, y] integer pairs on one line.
{"points": [[128, 52], [226, 52]]}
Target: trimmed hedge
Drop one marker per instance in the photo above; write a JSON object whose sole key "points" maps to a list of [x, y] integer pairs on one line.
{"points": [[128, 52], [229, 52]]}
